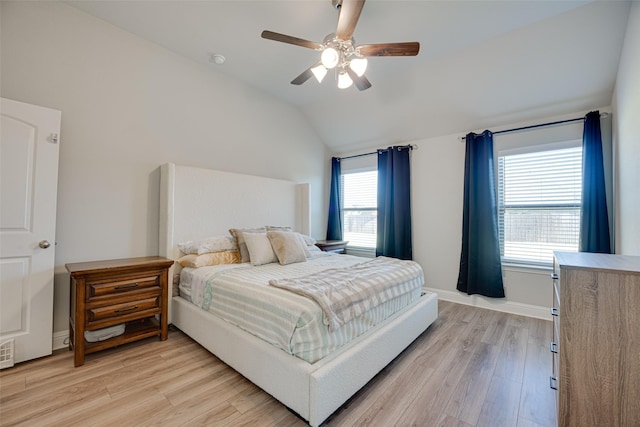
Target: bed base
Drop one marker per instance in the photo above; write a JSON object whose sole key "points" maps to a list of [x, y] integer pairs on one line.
{"points": [[314, 391]]}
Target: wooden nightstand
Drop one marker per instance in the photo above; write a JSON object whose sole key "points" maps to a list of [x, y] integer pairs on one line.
{"points": [[336, 246], [133, 291]]}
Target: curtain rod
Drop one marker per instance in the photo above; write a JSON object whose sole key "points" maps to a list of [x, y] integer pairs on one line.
{"points": [[411, 147], [577, 119]]}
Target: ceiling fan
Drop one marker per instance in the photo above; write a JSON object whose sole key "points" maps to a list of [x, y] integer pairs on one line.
{"points": [[340, 52]]}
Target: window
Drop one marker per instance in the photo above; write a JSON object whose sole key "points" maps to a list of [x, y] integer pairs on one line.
{"points": [[539, 196], [359, 208]]}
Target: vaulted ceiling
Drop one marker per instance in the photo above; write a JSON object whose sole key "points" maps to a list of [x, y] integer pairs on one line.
{"points": [[481, 63]]}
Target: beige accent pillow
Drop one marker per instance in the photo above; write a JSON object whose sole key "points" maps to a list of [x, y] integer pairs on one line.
{"points": [[259, 247], [288, 247], [212, 258], [237, 234]]}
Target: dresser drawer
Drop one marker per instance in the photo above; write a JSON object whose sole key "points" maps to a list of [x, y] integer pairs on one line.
{"points": [[119, 285], [117, 312]]}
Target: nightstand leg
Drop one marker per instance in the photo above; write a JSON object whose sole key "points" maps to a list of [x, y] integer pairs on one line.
{"points": [[78, 356], [78, 334], [71, 336]]}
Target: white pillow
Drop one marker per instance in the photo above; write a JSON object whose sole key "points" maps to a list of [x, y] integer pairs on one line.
{"points": [[210, 244], [259, 247], [310, 241], [238, 235], [275, 228], [289, 247], [303, 244]]}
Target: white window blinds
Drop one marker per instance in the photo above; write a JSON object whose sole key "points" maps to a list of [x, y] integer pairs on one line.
{"points": [[539, 196], [359, 207]]}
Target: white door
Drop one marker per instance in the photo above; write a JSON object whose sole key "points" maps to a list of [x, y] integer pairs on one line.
{"points": [[29, 184]]}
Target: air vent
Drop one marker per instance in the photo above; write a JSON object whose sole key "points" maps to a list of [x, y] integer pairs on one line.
{"points": [[6, 354]]}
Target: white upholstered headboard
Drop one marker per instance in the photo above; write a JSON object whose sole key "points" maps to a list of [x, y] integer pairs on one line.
{"points": [[196, 203]]}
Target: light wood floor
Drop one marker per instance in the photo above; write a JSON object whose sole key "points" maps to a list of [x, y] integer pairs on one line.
{"points": [[472, 367]]}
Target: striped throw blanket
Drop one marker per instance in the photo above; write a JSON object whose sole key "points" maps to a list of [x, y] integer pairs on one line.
{"points": [[346, 293]]}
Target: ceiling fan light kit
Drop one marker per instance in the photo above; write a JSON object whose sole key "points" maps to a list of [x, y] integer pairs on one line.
{"points": [[329, 57], [319, 71], [340, 52], [359, 65], [344, 81]]}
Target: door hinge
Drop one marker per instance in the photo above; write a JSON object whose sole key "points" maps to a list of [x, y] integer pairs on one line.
{"points": [[53, 138]]}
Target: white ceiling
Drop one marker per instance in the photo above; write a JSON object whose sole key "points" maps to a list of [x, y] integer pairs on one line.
{"points": [[481, 63]]}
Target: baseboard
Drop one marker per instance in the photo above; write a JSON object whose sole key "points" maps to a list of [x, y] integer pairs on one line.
{"points": [[494, 304], [60, 340]]}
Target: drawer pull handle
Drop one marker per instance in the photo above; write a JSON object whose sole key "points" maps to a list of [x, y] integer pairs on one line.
{"points": [[554, 276], [133, 285], [552, 381], [553, 347], [126, 309], [554, 312]]}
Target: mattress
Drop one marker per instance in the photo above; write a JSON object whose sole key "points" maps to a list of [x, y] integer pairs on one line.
{"points": [[241, 295]]}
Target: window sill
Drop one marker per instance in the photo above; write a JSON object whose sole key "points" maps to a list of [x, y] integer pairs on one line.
{"points": [[363, 252], [543, 269]]}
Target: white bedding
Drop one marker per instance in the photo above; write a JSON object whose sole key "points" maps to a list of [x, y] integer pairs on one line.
{"points": [[240, 294]]}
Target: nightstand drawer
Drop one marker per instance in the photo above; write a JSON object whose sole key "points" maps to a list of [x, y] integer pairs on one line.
{"points": [[111, 287], [118, 311]]}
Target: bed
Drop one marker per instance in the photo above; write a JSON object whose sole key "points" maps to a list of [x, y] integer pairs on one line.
{"points": [[196, 202]]}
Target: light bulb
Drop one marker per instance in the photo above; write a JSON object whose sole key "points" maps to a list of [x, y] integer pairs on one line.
{"points": [[358, 65], [319, 72], [329, 57], [344, 81]]}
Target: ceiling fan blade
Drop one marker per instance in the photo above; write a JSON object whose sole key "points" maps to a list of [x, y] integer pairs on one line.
{"points": [[389, 49], [361, 82], [348, 18], [270, 35], [304, 76]]}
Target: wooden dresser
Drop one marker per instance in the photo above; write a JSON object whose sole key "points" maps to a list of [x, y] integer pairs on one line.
{"points": [[596, 339], [132, 291]]}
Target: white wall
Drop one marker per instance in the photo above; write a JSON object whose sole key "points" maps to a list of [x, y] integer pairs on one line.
{"points": [[129, 106], [437, 184], [626, 105]]}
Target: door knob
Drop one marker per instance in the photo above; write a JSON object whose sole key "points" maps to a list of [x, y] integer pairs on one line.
{"points": [[44, 244]]}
